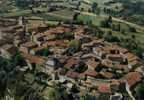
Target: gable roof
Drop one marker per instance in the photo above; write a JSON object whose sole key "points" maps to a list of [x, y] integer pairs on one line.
{"points": [[71, 62], [104, 88], [29, 45], [57, 30], [90, 73], [34, 59], [72, 74], [106, 74], [92, 63], [132, 78]]}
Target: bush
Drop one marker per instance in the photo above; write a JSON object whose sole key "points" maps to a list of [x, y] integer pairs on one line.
{"points": [[132, 29], [75, 44], [104, 23]]}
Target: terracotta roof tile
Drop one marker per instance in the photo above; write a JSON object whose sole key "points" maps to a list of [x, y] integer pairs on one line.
{"points": [[34, 59], [29, 45], [104, 88], [71, 62], [56, 43], [106, 74], [92, 63], [73, 75], [133, 78], [107, 63], [121, 66], [57, 30], [90, 73]]}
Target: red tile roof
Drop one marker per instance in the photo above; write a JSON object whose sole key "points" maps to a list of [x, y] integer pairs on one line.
{"points": [[121, 66], [71, 62], [107, 63], [104, 88], [133, 78], [61, 43], [131, 56], [115, 56], [106, 74], [29, 45], [90, 73], [79, 31], [57, 30], [37, 49], [34, 59], [73, 75], [117, 47], [92, 63]]}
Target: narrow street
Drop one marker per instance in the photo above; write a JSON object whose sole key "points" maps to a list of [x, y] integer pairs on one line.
{"points": [[129, 92]]}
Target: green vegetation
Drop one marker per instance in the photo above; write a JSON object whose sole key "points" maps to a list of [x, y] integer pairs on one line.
{"points": [[121, 31], [46, 52], [75, 44], [140, 91], [55, 94], [10, 79], [100, 16]]}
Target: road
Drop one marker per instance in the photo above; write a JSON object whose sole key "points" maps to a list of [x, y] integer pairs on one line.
{"points": [[116, 19], [129, 92]]}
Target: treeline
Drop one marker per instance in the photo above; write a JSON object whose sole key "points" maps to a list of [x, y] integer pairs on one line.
{"points": [[133, 11], [129, 42], [12, 83]]}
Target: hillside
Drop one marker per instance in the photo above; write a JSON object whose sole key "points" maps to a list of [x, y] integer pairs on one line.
{"points": [[71, 49]]}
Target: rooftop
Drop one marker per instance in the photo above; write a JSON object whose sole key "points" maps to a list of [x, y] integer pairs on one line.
{"points": [[133, 78]]}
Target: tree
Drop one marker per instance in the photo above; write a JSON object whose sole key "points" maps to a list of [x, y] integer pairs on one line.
{"points": [[110, 38], [104, 23], [100, 34], [9, 77], [75, 16], [132, 29], [103, 97], [133, 37], [94, 7], [123, 31], [57, 93], [32, 94], [116, 27], [82, 9], [109, 19], [22, 3], [140, 92], [90, 97], [46, 52], [98, 11], [3, 84], [80, 67], [75, 44], [18, 59], [74, 89]]}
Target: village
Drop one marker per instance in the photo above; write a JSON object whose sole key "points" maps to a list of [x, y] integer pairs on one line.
{"points": [[70, 55]]}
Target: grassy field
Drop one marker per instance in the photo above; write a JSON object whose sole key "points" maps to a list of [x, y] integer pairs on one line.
{"points": [[66, 15], [87, 18], [16, 13], [62, 15], [99, 2], [96, 19]]}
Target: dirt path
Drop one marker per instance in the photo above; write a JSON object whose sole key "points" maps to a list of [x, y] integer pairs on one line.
{"points": [[116, 19]]}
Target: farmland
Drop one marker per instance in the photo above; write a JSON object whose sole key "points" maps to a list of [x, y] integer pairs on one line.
{"points": [[67, 14], [71, 49]]}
